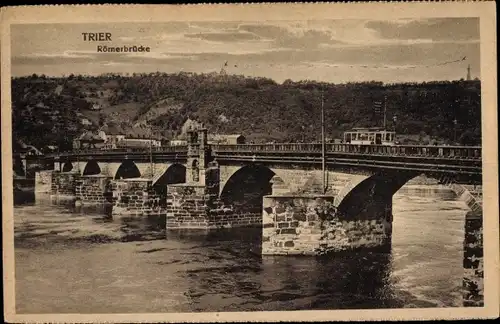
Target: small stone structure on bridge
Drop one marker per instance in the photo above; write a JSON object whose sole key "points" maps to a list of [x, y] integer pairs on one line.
{"points": [[196, 204]]}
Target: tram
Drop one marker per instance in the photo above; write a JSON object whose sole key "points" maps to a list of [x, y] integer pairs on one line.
{"points": [[370, 136]]}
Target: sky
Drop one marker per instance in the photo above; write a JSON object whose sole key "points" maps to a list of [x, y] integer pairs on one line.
{"points": [[339, 51]]}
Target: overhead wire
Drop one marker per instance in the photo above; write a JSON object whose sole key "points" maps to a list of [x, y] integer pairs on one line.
{"points": [[364, 66]]}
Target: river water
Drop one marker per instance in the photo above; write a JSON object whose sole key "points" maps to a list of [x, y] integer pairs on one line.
{"points": [[75, 260]]}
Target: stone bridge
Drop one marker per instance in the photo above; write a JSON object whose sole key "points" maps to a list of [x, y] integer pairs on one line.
{"points": [[281, 187], [361, 179]]}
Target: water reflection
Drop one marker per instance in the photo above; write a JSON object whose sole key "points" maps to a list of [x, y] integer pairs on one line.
{"points": [[59, 220]]}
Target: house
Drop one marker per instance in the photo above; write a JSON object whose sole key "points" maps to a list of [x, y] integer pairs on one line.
{"points": [[51, 148], [111, 135], [19, 146], [95, 106], [30, 150], [178, 142], [88, 140], [41, 105], [138, 143], [85, 121], [190, 124], [226, 139]]}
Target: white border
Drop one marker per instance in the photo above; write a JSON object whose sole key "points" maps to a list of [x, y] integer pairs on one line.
{"points": [[261, 12]]}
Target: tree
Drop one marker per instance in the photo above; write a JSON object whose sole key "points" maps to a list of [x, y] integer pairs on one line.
{"points": [[102, 119], [255, 107], [468, 138]]}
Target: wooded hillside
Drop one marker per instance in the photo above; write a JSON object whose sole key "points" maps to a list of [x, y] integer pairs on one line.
{"points": [[50, 110]]}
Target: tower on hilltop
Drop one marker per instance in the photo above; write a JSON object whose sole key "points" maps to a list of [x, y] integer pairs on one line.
{"points": [[468, 73]]}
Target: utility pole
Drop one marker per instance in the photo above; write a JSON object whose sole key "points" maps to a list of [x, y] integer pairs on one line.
{"points": [[77, 157], [151, 152], [455, 131], [323, 146], [385, 111], [78, 160]]}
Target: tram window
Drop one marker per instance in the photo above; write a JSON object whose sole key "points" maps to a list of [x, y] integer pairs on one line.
{"points": [[388, 137], [347, 137]]}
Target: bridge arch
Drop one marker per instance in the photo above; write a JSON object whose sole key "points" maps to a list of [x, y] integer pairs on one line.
{"points": [[92, 168], [67, 166], [376, 192], [372, 197], [245, 188], [175, 173], [128, 169]]}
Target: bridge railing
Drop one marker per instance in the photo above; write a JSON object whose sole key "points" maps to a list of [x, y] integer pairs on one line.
{"points": [[467, 152], [453, 152], [124, 150]]}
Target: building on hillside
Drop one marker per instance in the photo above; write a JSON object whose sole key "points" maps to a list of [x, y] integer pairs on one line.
{"points": [[85, 122], [51, 148], [19, 146], [30, 150], [95, 106], [112, 136], [178, 142], [138, 143], [41, 105], [226, 139], [88, 140], [190, 124]]}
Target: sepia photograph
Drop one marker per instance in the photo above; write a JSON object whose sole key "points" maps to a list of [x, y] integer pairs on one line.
{"points": [[204, 162]]}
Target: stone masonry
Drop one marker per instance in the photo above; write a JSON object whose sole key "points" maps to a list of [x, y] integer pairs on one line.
{"points": [[63, 184], [136, 197], [309, 225], [93, 189], [43, 181], [473, 281], [197, 205], [187, 206], [191, 206]]}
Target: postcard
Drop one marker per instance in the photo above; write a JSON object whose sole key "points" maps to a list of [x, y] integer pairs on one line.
{"points": [[250, 162]]}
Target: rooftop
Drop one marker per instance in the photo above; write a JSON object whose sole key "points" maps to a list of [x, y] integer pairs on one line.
{"points": [[217, 136]]}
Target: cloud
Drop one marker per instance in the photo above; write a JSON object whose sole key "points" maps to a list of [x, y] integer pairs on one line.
{"points": [[65, 54], [224, 37], [264, 31], [292, 35], [273, 47], [54, 58], [308, 39], [450, 29]]}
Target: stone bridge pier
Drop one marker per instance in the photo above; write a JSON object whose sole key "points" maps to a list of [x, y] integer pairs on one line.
{"points": [[125, 185], [359, 216], [355, 212]]}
